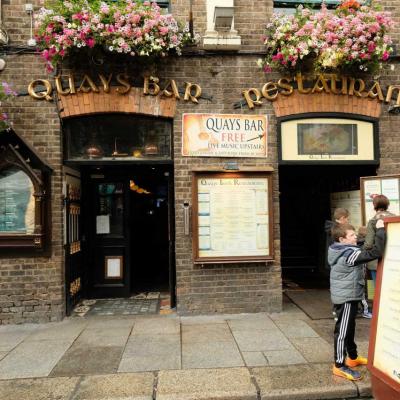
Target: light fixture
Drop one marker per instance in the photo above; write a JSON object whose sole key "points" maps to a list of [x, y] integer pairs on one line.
{"points": [[29, 10], [223, 17]]}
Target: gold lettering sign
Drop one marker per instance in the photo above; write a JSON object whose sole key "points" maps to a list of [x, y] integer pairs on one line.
{"points": [[327, 83], [192, 91]]}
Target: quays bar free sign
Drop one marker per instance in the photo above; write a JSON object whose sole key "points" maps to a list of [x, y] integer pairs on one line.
{"points": [[328, 83]]}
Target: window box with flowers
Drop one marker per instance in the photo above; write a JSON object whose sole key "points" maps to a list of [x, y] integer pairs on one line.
{"points": [[351, 38], [138, 29]]}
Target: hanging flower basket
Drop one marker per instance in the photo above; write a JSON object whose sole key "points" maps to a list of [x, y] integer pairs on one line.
{"points": [[6, 92], [352, 38], [137, 29]]}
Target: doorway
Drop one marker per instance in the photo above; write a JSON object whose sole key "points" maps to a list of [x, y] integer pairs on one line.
{"points": [[305, 204], [128, 227]]}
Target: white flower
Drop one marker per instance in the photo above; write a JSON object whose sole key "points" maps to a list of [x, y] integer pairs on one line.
{"points": [[111, 48]]}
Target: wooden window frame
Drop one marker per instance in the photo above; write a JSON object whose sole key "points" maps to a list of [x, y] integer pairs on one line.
{"points": [[10, 156]]}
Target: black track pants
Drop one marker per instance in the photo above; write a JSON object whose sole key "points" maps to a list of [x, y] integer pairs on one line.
{"points": [[344, 331]]}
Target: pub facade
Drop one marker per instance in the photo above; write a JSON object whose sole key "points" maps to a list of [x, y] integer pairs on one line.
{"points": [[198, 175]]}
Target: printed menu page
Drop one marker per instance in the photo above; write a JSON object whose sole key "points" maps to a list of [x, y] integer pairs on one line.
{"points": [[233, 217], [387, 345]]}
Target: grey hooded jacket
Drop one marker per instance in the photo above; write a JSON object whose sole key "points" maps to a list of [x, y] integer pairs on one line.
{"points": [[347, 268]]}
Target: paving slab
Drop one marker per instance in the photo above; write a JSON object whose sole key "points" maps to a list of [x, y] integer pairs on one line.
{"points": [[211, 355], [206, 333], [261, 340], [3, 354], [296, 328], [302, 382], [262, 322], [32, 359], [151, 353], [80, 360], [116, 387], [254, 359], [314, 350], [38, 389], [206, 384], [101, 323], [160, 325], [9, 339], [65, 330], [364, 385], [104, 337], [284, 357]]}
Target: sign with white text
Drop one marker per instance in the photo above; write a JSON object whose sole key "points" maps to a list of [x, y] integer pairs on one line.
{"points": [[232, 217], [224, 135]]}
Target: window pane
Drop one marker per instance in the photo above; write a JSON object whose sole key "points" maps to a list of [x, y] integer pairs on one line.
{"points": [[111, 204], [17, 204], [117, 137]]}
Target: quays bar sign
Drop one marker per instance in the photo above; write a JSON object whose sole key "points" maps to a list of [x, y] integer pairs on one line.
{"points": [[65, 85], [42, 89], [328, 83]]}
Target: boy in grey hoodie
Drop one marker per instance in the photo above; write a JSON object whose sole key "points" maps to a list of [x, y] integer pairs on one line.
{"points": [[347, 262]]}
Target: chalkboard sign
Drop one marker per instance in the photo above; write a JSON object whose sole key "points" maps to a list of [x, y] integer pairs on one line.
{"points": [[232, 217], [384, 348]]}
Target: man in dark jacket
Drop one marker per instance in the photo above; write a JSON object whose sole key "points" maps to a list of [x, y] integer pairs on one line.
{"points": [[347, 289]]}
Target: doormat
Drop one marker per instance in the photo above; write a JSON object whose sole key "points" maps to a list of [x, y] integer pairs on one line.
{"points": [[316, 303], [130, 306]]}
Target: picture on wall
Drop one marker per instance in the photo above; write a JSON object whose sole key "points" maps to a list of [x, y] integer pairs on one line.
{"points": [[321, 138], [328, 140]]}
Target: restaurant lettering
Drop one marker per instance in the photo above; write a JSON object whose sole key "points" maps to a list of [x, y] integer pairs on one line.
{"points": [[42, 89], [328, 83]]}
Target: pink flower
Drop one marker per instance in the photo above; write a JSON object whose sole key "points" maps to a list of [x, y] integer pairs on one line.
{"points": [[385, 56], [90, 42]]}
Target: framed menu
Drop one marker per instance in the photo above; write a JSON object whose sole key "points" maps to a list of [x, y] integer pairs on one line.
{"points": [[384, 348], [388, 185], [232, 217]]}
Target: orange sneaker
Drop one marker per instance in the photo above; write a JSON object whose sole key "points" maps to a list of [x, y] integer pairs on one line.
{"points": [[347, 373], [358, 361]]}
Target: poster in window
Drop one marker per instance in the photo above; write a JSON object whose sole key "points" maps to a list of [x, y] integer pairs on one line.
{"points": [[388, 185], [328, 140], [232, 217]]}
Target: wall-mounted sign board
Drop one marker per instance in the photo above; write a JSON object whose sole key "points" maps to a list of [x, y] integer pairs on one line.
{"points": [[327, 140], [388, 185], [232, 217], [224, 135], [384, 347]]}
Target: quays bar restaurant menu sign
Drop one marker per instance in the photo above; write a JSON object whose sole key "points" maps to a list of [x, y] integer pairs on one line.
{"points": [[384, 348], [232, 217], [224, 135]]}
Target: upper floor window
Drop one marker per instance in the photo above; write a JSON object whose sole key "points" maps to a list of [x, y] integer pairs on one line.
{"points": [[289, 6]]}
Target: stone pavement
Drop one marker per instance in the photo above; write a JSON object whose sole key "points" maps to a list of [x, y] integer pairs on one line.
{"points": [[234, 357]]}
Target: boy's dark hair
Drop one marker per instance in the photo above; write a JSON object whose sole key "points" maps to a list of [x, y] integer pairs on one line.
{"points": [[380, 202], [339, 213], [340, 231]]}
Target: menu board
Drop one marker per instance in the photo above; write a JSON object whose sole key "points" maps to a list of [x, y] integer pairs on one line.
{"points": [[385, 330], [232, 217], [388, 185], [17, 204], [349, 200]]}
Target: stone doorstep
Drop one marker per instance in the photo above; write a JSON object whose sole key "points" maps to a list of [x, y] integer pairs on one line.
{"points": [[262, 383]]}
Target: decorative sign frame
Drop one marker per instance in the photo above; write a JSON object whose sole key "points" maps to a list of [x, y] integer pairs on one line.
{"points": [[383, 361], [224, 135], [327, 139], [113, 267], [388, 185], [232, 217]]}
